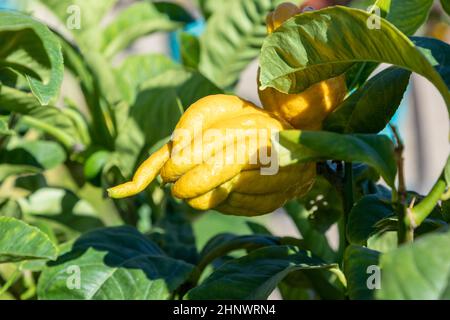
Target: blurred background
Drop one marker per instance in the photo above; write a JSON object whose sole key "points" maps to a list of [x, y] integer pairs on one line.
{"points": [[422, 118]]}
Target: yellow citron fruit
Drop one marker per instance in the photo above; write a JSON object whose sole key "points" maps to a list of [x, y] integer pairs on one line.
{"points": [[306, 110], [206, 176]]}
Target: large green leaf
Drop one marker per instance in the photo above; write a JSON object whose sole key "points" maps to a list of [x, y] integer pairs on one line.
{"points": [[224, 243], [174, 234], [115, 264], [374, 150], [358, 262], [364, 216], [20, 241], [370, 109], [318, 45], [406, 15], [231, 41], [136, 70], [314, 240], [29, 48], [137, 20], [61, 206], [420, 270], [256, 275], [49, 119], [27, 157]]}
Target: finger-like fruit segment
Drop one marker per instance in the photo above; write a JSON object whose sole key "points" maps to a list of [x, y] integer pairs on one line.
{"points": [[224, 165], [203, 113], [250, 123], [212, 198], [308, 109], [253, 182], [144, 175]]}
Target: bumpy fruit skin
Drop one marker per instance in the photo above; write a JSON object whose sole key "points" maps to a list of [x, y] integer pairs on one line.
{"points": [[306, 110], [231, 187]]}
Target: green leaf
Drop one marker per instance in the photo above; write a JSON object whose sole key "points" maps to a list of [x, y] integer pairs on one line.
{"points": [[370, 109], [175, 236], [374, 150], [20, 241], [314, 284], [257, 228], [33, 51], [446, 6], [31, 182], [438, 53], [61, 206], [314, 240], [254, 276], [318, 45], [53, 121], [4, 128], [223, 243], [357, 263], [136, 70], [136, 20], [190, 50], [419, 271], [383, 242], [324, 204], [231, 41], [364, 216], [116, 264], [24, 157], [408, 15], [91, 86], [10, 208]]}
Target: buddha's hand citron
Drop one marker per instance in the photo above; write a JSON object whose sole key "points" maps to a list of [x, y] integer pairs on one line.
{"points": [[214, 160]]}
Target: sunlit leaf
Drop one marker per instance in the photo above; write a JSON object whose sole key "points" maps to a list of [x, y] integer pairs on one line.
{"points": [[374, 150], [359, 264], [231, 41], [113, 264], [33, 51], [419, 271], [256, 275], [20, 241]]}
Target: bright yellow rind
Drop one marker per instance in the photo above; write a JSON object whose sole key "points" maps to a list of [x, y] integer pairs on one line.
{"points": [[144, 175], [306, 110]]}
